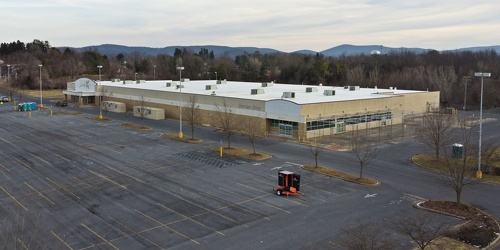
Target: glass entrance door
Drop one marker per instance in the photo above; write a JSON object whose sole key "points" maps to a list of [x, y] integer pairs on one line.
{"points": [[285, 129]]}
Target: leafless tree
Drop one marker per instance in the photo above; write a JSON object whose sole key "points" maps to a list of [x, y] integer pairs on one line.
{"points": [[422, 228], [142, 109], [252, 130], [227, 120], [19, 231], [442, 79], [192, 113], [316, 149], [457, 175], [435, 131], [364, 236], [105, 105], [490, 153], [364, 153], [356, 75]]}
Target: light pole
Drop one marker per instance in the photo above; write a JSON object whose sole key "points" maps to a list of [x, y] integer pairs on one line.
{"points": [[100, 94], [216, 76], [8, 82], [154, 72], [479, 174], [466, 80], [180, 69], [41, 100], [135, 77]]}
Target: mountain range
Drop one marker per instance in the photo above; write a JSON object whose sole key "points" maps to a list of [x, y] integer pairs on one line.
{"points": [[345, 49]]}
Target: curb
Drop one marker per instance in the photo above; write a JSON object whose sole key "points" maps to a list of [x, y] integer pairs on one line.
{"points": [[490, 246]]}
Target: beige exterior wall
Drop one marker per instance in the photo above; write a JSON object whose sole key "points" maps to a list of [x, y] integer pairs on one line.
{"points": [[262, 112]]}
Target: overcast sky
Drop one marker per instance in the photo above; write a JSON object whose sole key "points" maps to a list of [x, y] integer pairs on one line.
{"points": [[286, 25]]}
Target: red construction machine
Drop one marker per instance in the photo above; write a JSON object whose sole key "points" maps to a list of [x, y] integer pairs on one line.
{"points": [[288, 183]]}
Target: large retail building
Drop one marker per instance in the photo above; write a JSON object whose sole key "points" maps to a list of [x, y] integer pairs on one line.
{"points": [[299, 111]]}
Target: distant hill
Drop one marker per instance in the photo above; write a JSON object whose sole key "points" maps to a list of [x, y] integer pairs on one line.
{"points": [[112, 50], [344, 49]]}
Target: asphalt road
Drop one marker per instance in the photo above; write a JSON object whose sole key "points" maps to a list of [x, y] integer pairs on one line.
{"points": [[72, 182]]}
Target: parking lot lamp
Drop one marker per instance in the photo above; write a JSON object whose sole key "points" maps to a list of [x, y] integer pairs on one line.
{"points": [[100, 94], [180, 69], [41, 99], [479, 174]]}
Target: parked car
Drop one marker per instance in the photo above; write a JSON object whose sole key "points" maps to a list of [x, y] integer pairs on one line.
{"points": [[62, 103], [4, 99]]}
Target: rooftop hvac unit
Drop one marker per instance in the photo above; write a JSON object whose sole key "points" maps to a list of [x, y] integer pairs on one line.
{"points": [[353, 88], [311, 89], [128, 82], [179, 86], [221, 81], [210, 87], [329, 92], [346, 87], [140, 81], [115, 80], [185, 80], [267, 84], [257, 91], [168, 84], [288, 95]]}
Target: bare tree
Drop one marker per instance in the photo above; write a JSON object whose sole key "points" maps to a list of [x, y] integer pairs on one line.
{"points": [[363, 236], [19, 231], [142, 109], [457, 175], [442, 79], [422, 228], [316, 149], [435, 131], [105, 105], [252, 130], [227, 120], [192, 113], [356, 75], [364, 153], [490, 154]]}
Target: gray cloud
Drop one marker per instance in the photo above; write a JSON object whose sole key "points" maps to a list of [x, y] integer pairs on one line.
{"points": [[287, 25]]}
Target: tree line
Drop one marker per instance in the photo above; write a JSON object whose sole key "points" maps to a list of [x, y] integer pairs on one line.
{"points": [[448, 72]]}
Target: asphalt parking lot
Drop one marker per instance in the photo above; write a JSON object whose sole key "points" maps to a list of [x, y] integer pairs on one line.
{"points": [[78, 183], [73, 182]]}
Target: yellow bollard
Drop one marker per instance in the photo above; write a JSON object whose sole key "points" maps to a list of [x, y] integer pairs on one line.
{"points": [[220, 151], [51, 112], [479, 174], [29, 114]]}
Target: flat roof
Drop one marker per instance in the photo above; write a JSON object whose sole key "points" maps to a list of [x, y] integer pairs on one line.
{"points": [[275, 91]]}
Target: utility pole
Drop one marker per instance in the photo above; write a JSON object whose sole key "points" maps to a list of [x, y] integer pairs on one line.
{"points": [[466, 80]]}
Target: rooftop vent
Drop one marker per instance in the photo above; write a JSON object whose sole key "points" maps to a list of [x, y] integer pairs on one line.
{"points": [[353, 88], [288, 95], [267, 84], [329, 92], [257, 91], [210, 87], [311, 89]]}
